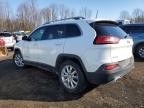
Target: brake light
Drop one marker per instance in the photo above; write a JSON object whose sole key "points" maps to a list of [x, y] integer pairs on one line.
{"points": [[106, 40], [111, 67], [2, 42]]}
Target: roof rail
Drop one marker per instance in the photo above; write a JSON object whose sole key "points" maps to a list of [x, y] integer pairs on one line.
{"points": [[75, 18]]}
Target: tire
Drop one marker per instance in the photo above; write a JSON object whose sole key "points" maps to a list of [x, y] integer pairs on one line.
{"points": [[140, 51], [18, 60], [74, 76], [12, 49]]}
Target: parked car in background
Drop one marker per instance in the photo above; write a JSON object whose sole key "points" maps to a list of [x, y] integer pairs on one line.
{"points": [[78, 50], [121, 22], [9, 39], [136, 31], [27, 33], [19, 35]]}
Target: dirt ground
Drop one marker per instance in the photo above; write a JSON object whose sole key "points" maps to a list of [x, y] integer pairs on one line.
{"points": [[35, 88]]}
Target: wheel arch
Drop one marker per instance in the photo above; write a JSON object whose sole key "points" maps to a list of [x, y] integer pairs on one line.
{"points": [[136, 46], [63, 57], [17, 50]]}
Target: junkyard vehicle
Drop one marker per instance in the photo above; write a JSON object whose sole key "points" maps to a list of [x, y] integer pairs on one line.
{"points": [[78, 50]]}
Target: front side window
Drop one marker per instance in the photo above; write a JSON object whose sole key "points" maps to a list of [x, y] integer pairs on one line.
{"points": [[37, 35]]}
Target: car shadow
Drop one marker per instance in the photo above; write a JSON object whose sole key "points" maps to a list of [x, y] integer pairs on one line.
{"points": [[32, 84], [138, 59]]}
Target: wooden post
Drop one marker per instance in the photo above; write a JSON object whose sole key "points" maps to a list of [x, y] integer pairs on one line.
{"points": [[3, 49]]}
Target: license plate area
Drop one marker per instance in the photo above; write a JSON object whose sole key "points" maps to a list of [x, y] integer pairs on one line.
{"points": [[125, 63]]}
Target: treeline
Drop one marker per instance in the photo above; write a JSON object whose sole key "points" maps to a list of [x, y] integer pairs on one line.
{"points": [[137, 16], [28, 15]]}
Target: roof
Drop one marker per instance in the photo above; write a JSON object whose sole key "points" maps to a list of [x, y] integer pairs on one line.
{"points": [[79, 19]]}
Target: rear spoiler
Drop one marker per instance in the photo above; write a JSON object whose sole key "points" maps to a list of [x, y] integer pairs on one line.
{"points": [[107, 22]]}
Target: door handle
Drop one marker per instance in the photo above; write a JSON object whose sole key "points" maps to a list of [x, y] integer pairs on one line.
{"points": [[58, 44], [35, 44]]}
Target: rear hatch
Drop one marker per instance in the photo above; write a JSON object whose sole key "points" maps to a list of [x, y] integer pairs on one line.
{"points": [[120, 42], [7, 37]]}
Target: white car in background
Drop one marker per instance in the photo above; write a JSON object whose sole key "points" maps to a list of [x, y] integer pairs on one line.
{"points": [[9, 39], [19, 36]]}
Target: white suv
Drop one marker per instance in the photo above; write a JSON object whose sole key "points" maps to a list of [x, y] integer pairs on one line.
{"points": [[79, 51]]}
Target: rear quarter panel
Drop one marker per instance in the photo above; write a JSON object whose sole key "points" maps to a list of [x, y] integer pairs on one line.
{"points": [[92, 56]]}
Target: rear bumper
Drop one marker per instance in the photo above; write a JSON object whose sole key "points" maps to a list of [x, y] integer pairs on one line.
{"points": [[102, 76]]}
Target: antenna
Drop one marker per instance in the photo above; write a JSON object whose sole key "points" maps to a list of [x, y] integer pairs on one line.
{"points": [[97, 14]]}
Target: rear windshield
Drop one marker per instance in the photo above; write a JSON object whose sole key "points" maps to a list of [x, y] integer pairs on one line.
{"points": [[5, 35], [105, 29], [133, 29]]}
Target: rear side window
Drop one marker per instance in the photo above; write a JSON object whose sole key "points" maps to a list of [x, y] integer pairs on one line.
{"points": [[54, 32], [105, 29], [61, 31], [133, 29], [72, 30]]}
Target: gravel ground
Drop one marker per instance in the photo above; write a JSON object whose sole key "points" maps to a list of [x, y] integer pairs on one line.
{"points": [[35, 88]]}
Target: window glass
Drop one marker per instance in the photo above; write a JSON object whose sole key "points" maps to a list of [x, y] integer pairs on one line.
{"points": [[134, 29], [54, 32], [72, 30], [108, 30], [37, 35]]}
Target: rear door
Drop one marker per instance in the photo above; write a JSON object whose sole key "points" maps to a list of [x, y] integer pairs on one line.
{"points": [[52, 44]]}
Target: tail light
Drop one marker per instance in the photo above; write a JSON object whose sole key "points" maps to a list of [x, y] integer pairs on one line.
{"points": [[111, 67], [106, 40], [2, 42]]}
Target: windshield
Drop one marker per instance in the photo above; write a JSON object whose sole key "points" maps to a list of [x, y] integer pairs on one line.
{"points": [[5, 35]]}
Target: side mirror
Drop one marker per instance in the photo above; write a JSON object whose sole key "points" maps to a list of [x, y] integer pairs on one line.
{"points": [[25, 38]]}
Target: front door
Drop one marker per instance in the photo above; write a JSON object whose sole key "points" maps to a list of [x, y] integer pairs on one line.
{"points": [[31, 48]]}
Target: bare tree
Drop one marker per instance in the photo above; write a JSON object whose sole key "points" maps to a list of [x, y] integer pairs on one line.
{"points": [[33, 12], [23, 15], [65, 12], [8, 17], [45, 14], [53, 12], [2, 16], [85, 12], [27, 15], [138, 15], [124, 15], [73, 13]]}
